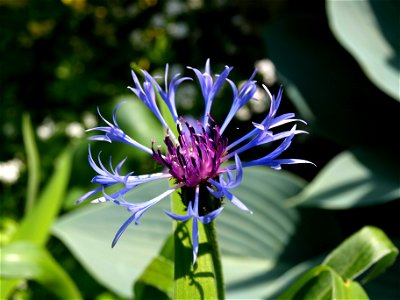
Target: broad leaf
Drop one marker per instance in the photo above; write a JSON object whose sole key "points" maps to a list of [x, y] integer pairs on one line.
{"points": [[88, 232], [333, 95], [353, 178], [369, 30]]}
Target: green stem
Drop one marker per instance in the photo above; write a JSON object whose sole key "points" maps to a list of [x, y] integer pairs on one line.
{"points": [[33, 160], [211, 232]]}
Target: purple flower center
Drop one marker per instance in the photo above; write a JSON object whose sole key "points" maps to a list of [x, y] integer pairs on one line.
{"points": [[196, 156]]}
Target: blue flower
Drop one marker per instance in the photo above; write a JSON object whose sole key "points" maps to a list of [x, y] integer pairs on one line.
{"points": [[197, 160]]}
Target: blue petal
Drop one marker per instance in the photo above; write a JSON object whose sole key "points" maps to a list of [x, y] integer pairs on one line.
{"points": [[211, 216], [235, 201], [115, 134], [195, 239], [89, 194], [178, 217], [148, 97], [246, 93], [122, 229]]}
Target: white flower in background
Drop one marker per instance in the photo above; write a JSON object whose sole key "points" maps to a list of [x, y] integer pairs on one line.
{"points": [[10, 170]]}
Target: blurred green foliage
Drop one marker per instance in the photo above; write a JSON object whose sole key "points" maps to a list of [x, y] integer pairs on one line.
{"points": [[59, 60]]}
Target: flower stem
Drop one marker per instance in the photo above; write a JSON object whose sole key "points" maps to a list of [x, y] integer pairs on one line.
{"points": [[211, 232]]}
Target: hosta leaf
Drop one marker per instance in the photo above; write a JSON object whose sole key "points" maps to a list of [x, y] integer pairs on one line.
{"points": [[369, 30], [88, 232], [333, 95], [353, 178]]}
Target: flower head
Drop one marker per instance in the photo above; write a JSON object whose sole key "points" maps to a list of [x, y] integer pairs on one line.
{"points": [[197, 159]]}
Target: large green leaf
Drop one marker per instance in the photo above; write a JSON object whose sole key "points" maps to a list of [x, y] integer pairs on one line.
{"points": [[333, 95], [30, 261], [370, 30], [353, 178], [88, 233], [253, 242]]}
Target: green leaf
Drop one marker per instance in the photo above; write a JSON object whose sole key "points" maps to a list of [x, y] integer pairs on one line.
{"points": [[368, 249], [251, 244], [157, 280], [30, 261], [160, 275], [351, 179], [266, 232], [347, 290], [35, 226], [137, 120], [369, 30], [33, 161], [333, 95], [322, 282], [88, 232]]}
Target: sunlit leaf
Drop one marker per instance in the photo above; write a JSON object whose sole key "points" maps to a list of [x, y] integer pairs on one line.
{"points": [[368, 249], [30, 261], [333, 95], [369, 30], [322, 282], [88, 232], [138, 121], [353, 178]]}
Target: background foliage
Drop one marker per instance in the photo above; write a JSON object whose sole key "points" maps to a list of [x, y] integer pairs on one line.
{"points": [[339, 63]]}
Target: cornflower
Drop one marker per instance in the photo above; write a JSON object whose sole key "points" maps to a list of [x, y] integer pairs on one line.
{"points": [[197, 159]]}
